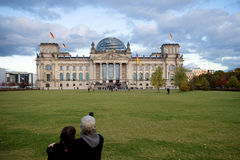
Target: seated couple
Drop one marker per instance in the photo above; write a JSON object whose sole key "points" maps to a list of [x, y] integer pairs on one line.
{"points": [[88, 147]]}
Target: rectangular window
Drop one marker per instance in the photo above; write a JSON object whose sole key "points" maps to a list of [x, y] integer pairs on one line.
{"points": [[74, 68], [48, 77], [61, 68], [67, 68], [147, 68], [153, 68], [80, 68], [134, 68], [140, 68], [86, 68]]}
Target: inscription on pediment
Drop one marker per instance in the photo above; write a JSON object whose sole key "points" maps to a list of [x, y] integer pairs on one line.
{"points": [[111, 56]]}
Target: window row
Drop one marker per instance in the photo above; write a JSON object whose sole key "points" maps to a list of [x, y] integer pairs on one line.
{"points": [[74, 77], [140, 68], [74, 68], [140, 76]]}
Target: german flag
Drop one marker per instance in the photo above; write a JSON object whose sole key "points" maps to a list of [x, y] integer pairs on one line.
{"points": [[51, 35], [171, 36], [139, 61], [63, 45]]}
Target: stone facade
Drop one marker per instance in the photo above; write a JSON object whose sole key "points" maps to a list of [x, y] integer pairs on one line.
{"points": [[114, 67], [195, 72]]}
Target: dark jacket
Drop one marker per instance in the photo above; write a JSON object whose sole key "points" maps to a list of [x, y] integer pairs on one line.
{"points": [[60, 151], [82, 151]]}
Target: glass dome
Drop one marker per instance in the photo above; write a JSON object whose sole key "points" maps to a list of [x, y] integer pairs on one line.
{"points": [[110, 43]]}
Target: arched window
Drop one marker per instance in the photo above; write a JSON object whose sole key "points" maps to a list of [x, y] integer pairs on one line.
{"points": [[61, 76], [48, 67], [147, 76], [68, 77], [87, 76], [134, 76], [80, 76], [141, 76], [74, 76], [171, 67]]}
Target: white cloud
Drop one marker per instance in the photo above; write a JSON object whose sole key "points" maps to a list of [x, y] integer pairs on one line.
{"points": [[199, 61], [231, 58], [19, 63], [204, 38], [188, 36]]}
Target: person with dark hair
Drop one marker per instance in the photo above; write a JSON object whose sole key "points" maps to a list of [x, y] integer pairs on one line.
{"points": [[90, 145], [64, 149]]}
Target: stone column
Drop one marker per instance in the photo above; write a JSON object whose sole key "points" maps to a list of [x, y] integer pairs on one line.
{"points": [[94, 72], [143, 72], [114, 74], [54, 77], [120, 68], [166, 71], [100, 72], [107, 72]]}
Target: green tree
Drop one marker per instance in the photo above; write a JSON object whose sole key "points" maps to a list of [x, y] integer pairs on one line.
{"points": [[205, 84], [180, 78], [156, 79], [233, 82]]}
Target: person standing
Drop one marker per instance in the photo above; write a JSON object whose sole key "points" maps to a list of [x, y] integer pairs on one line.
{"points": [[90, 145], [168, 91]]}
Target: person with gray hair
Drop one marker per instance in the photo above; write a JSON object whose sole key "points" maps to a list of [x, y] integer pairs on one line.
{"points": [[90, 145]]}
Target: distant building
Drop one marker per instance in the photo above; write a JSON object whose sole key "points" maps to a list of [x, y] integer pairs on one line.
{"points": [[197, 72], [110, 64], [19, 77]]}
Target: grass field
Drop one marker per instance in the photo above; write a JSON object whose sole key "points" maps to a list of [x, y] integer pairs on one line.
{"points": [[136, 125]]}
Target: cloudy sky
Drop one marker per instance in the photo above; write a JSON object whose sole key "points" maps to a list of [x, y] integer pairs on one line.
{"points": [[208, 31]]}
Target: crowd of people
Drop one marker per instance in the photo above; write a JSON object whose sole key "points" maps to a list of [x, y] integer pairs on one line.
{"points": [[88, 147]]}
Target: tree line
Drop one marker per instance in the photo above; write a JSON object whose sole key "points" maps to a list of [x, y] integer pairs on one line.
{"points": [[219, 80]]}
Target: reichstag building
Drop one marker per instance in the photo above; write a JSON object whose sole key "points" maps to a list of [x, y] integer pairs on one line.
{"points": [[110, 64]]}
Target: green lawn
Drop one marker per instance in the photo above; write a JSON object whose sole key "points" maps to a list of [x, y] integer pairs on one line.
{"points": [[136, 125]]}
